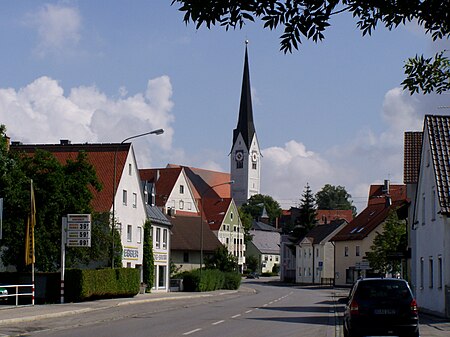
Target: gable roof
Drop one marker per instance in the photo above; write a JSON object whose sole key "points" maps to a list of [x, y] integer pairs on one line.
{"points": [[261, 226], [215, 209], [156, 216], [186, 235], [374, 214], [412, 152], [101, 156], [438, 128], [324, 216], [266, 242], [320, 232], [164, 180]]}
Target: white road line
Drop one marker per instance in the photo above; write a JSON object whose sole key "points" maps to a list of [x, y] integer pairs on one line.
{"points": [[235, 316], [218, 322], [191, 332], [248, 311]]}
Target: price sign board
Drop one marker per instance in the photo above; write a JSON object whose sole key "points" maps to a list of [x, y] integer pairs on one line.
{"points": [[78, 230]]}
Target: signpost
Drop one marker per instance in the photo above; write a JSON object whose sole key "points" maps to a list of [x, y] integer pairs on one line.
{"points": [[75, 232]]}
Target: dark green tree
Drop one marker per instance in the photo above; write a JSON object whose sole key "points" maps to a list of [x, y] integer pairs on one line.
{"points": [[222, 260], [148, 260], [246, 220], [308, 213], [255, 205], [252, 263], [309, 19], [334, 197], [388, 246]]}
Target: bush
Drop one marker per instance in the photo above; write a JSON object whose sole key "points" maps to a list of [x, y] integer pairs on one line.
{"points": [[210, 279], [81, 285]]}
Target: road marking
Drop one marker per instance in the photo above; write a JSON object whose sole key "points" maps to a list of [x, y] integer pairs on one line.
{"points": [[248, 311], [218, 322], [235, 316], [191, 332]]}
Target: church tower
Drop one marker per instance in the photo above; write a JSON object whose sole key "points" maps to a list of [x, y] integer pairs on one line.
{"points": [[245, 151]]}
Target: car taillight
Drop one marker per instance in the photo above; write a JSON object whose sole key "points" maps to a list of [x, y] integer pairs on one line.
{"points": [[354, 308], [413, 307]]}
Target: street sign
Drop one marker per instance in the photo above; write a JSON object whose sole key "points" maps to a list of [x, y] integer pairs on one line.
{"points": [[78, 230]]}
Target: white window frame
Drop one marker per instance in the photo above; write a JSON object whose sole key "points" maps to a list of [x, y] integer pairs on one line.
{"points": [[129, 233], [158, 238], [134, 200], [124, 197], [164, 240], [139, 234]]}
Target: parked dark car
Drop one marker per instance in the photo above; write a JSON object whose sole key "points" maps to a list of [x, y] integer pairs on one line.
{"points": [[253, 275], [381, 306]]}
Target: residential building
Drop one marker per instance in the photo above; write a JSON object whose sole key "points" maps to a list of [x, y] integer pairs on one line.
{"points": [[315, 254], [189, 240], [127, 202], [245, 159], [354, 240], [208, 193], [430, 222], [265, 246]]}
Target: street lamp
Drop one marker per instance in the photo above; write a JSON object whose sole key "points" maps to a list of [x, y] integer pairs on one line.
{"points": [[113, 221], [201, 218]]}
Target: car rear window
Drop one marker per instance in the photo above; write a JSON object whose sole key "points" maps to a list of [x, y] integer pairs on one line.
{"points": [[389, 289]]}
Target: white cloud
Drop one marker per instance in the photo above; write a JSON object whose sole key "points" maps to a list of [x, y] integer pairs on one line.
{"points": [[58, 28], [41, 113]]}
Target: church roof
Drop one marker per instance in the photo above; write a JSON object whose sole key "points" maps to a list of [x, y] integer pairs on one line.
{"points": [[245, 125]]}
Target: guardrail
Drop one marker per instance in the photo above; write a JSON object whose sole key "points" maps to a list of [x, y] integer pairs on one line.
{"points": [[17, 294]]}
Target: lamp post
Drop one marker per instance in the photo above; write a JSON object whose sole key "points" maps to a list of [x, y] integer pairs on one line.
{"points": [[201, 218], [113, 220]]}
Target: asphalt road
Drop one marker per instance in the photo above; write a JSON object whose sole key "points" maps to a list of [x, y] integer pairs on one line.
{"points": [[270, 311]]}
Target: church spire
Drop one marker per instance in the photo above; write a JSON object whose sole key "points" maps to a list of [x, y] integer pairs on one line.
{"points": [[245, 122]]}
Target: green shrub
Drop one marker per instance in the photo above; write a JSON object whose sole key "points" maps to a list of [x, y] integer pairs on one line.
{"points": [[210, 279], [81, 285]]}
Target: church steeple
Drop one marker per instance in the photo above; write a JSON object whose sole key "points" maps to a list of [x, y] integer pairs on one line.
{"points": [[245, 151], [245, 122]]}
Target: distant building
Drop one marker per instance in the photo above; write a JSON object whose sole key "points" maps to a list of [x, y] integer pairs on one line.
{"points": [[265, 246]]}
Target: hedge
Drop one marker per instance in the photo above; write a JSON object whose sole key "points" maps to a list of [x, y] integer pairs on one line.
{"points": [[82, 285], [210, 280]]}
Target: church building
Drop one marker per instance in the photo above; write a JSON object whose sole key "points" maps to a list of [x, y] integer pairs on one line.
{"points": [[245, 152]]}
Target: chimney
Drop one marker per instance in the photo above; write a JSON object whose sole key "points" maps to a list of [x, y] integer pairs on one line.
{"points": [[386, 187]]}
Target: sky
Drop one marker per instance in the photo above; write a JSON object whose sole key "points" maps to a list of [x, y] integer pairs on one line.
{"points": [[100, 71]]}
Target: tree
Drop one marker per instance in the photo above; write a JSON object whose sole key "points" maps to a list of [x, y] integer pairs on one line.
{"points": [[252, 263], [59, 190], [246, 220], [257, 203], [148, 259], [310, 18], [334, 197], [308, 213], [222, 260], [388, 246]]}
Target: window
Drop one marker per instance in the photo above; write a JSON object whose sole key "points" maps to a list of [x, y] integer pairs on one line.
{"points": [[129, 233], [345, 251], [358, 253], [181, 204], [181, 189], [139, 235], [421, 273], [440, 274], [299, 271], [430, 272], [189, 205], [231, 215], [129, 169], [254, 166], [165, 239], [158, 237], [317, 252], [186, 257], [134, 200], [124, 197]]}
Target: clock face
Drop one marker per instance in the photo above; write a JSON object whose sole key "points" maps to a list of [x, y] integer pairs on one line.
{"points": [[239, 156], [254, 156]]}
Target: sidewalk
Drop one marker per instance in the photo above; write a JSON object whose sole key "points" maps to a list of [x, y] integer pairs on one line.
{"points": [[26, 313]]}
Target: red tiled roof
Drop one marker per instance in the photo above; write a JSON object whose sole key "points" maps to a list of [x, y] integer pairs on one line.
{"points": [[101, 156], [328, 215], [215, 210], [411, 160], [165, 179], [374, 214]]}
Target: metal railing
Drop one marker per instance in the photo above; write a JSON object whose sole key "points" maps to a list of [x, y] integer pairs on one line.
{"points": [[17, 293]]}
